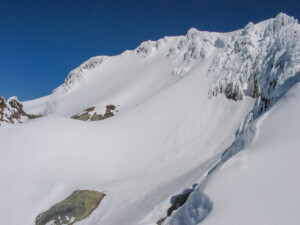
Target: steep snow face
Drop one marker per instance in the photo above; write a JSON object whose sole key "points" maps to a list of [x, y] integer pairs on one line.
{"points": [[167, 135], [192, 50], [199, 206], [261, 184]]}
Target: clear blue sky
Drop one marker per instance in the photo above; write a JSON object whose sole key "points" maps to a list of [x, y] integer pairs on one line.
{"points": [[41, 41]]}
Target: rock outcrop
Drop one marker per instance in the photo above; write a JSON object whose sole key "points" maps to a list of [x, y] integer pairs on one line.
{"points": [[89, 114], [78, 206], [12, 111]]}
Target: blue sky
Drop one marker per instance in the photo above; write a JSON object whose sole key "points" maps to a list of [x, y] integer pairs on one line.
{"points": [[41, 41]]}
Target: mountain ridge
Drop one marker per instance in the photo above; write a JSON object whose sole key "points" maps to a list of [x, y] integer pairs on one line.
{"points": [[186, 106], [245, 72]]}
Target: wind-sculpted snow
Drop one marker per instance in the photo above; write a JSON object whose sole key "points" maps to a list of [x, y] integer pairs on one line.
{"points": [[258, 60], [194, 211], [199, 205], [189, 50], [193, 49], [147, 48]]}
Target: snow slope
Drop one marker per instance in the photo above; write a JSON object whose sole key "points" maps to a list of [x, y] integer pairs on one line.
{"points": [[261, 184], [170, 131]]}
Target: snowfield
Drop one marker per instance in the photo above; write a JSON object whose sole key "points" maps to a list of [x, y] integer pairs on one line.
{"points": [[261, 184], [183, 101]]}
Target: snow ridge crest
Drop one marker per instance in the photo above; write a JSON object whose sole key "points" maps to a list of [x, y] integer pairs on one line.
{"points": [[257, 62], [254, 61], [78, 75]]}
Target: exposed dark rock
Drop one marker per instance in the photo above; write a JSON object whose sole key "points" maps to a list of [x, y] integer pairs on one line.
{"points": [[177, 201], [90, 109], [15, 104], [31, 117], [17, 111], [12, 111], [264, 104], [96, 117], [110, 107], [78, 206], [2, 106], [160, 222], [110, 112], [84, 117], [233, 92], [256, 92]]}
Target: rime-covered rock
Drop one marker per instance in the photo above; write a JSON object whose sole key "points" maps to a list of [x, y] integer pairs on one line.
{"points": [[258, 61], [77, 76]]}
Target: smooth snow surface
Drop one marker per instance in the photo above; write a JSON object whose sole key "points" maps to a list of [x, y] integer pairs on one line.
{"points": [[260, 185], [168, 134]]}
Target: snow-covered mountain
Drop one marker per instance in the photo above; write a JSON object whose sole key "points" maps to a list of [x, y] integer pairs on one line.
{"points": [[162, 126]]}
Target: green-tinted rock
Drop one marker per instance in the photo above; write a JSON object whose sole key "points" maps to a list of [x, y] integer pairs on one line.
{"points": [[90, 109], [83, 117], [110, 112], [78, 206], [96, 117]]}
